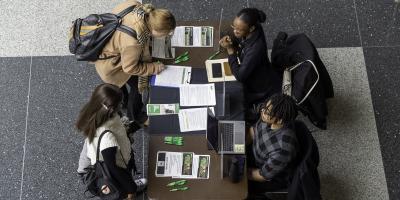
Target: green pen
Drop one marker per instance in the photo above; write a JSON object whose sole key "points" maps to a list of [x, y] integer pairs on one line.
{"points": [[182, 58], [179, 189], [176, 183], [214, 55], [183, 55]]}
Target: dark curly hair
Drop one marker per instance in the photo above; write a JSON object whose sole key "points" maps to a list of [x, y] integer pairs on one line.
{"points": [[281, 107]]}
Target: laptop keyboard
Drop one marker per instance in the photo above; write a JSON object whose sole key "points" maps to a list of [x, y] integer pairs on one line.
{"points": [[226, 130]]}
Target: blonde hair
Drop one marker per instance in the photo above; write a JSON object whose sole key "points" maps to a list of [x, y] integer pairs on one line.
{"points": [[159, 19]]}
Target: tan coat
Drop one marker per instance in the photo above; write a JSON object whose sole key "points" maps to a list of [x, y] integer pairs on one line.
{"points": [[132, 58]]}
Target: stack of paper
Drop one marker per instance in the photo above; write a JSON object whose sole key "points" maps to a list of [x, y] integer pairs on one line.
{"points": [[197, 95], [182, 165], [193, 119]]}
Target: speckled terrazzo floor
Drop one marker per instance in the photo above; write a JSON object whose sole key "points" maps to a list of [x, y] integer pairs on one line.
{"points": [[42, 89]]}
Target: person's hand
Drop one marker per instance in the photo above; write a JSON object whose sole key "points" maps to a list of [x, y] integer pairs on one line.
{"points": [[226, 42], [159, 67], [253, 174], [105, 189], [130, 197]]}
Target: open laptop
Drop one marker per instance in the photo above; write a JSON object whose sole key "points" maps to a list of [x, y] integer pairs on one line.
{"points": [[225, 136]]}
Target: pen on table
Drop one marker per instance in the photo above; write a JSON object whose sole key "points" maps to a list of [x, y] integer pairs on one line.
{"points": [[214, 55]]}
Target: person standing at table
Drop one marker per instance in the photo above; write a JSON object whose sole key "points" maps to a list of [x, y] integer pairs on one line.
{"points": [[99, 115], [249, 59], [126, 60]]}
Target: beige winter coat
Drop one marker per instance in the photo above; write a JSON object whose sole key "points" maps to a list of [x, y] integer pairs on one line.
{"points": [[131, 57]]}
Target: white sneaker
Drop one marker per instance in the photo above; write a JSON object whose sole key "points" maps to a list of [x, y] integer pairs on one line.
{"points": [[141, 184]]}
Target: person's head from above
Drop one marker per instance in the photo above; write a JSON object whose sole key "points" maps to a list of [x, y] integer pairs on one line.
{"points": [[247, 21], [279, 109], [104, 103], [161, 22]]}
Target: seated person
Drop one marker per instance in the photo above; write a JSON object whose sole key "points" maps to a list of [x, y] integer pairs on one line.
{"points": [[249, 59], [273, 146]]}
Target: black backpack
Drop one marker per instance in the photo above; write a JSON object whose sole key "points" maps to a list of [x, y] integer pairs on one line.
{"points": [[89, 35], [98, 175]]}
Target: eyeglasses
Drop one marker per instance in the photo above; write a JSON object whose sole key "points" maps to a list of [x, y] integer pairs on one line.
{"points": [[236, 29], [264, 109]]}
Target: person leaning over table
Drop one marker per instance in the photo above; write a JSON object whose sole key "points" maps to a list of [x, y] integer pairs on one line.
{"points": [[96, 116], [272, 146], [249, 60], [129, 60]]}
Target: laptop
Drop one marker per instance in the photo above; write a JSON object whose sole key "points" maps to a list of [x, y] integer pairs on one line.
{"points": [[225, 136]]}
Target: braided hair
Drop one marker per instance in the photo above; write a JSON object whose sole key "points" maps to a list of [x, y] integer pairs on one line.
{"points": [[281, 107]]}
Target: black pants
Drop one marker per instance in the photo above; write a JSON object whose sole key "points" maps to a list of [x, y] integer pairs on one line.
{"points": [[136, 110]]}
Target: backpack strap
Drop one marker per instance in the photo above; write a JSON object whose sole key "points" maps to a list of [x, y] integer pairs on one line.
{"points": [[124, 28], [98, 144], [98, 148], [127, 30], [316, 81], [126, 11]]}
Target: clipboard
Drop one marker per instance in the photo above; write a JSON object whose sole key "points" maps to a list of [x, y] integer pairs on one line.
{"points": [[172, 76]]}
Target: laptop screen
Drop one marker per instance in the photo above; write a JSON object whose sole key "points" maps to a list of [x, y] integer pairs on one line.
{"points": [[212, 132]]}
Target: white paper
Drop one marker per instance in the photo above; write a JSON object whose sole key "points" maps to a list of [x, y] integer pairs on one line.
{"points": [[196, 167], [161, 48], [174, 165], [197, 95], [197, 36], [193, 119], [178, 39], [193, 36], [173, 76]]}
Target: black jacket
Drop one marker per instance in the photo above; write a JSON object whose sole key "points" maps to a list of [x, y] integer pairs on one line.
{"points": [[295, 49], [259, 79], [305, 183]]}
